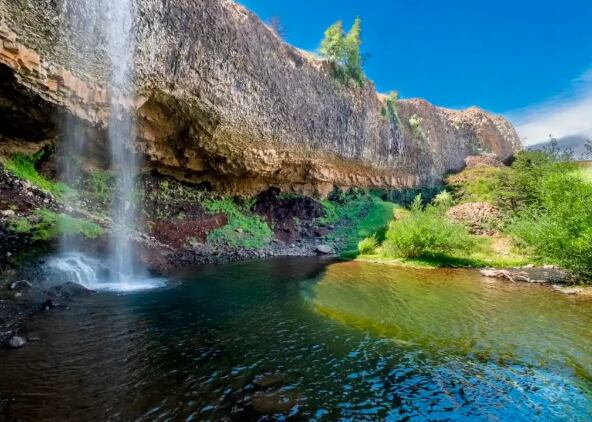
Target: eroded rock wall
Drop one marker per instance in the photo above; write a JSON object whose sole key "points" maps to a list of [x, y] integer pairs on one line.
{"points": [[220, 98]]}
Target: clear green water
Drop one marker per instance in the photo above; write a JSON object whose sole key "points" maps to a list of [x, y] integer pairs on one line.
{"points": [[302, 339]]}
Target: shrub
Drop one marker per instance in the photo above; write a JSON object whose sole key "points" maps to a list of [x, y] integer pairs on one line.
{"points": [[426, 232], [368, 245], [520, 187], [559, 226], [343, 50], [443, 199]]}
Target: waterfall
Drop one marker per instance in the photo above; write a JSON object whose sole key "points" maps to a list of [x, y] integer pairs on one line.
{"points": [[120, 47], [111, 23]]}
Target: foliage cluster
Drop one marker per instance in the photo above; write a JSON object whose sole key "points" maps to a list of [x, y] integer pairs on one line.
{"points": [[343, 51], [550, 207], [368, 245], [98, 187], [243, 230], [46, 225], [546, 201], [427, 232]]}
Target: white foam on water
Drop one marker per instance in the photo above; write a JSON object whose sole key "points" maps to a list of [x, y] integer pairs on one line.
{"points": [[94, 274]]}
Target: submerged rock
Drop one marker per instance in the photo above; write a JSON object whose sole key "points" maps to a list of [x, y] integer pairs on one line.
{"points": [[273, 402]]}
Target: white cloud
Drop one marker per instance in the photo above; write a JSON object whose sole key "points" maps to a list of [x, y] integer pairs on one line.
{"points": [[564, 116]]}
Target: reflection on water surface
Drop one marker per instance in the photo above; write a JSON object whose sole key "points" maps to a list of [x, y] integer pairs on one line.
{"points": [[293, 337]]}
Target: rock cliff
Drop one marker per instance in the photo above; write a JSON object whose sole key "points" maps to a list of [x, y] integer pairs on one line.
{"points": [[221, 99]]}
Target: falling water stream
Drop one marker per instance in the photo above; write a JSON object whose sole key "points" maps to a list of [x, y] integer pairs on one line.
{"points": [[113, 21]]}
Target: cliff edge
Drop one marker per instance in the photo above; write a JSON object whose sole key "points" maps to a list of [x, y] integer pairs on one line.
{"points": [[220, 98]]}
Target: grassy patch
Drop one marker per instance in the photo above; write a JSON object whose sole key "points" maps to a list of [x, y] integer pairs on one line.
{"points": [[484, 254], [23, 167], [477, 184], [46, 225], [243, 230]]}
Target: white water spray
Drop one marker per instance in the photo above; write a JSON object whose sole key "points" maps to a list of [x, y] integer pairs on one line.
{"points": [[113, 21]]}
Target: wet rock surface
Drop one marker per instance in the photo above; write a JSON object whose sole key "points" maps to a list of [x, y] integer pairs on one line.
{"points": [[291, 217]]}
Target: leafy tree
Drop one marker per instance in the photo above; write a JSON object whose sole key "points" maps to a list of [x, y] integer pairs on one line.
{"points": [[343, 50]]}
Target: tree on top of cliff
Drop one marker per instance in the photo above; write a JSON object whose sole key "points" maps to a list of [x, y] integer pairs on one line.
{"points": [[343, 50]]}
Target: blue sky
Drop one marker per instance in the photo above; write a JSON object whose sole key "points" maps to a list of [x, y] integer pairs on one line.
{"points": [[526, 59]]}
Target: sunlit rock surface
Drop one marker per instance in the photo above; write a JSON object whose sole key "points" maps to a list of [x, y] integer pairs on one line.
{"points": [[222, 99]]}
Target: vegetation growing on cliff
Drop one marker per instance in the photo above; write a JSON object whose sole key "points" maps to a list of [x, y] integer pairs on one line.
{"points": [[45, 225], [390, 110], [415, 123], [24, 167], [243, 230], [343, 51]]}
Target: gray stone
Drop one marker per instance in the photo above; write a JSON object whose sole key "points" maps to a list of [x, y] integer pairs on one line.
{"points": [[324, 249], [16, 342]]}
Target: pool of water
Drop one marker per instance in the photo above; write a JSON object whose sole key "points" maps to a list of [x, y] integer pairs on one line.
{"points": [[306, 339]]}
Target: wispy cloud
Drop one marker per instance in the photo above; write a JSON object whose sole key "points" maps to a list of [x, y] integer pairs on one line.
{"points": [[570, 114]]}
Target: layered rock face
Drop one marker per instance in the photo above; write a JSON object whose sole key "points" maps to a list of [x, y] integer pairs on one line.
{"points": [[220, 98]]}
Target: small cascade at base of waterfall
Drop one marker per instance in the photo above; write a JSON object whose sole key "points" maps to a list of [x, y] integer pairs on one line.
{"points": [[94, 274]]}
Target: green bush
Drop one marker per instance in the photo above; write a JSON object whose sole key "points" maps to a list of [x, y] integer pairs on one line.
{"points": [[47, 225], [23, 167], [444, 200], [368, 245], [521, 186], [243, 230], [557, 225], [343, 50], [426, 232]]}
